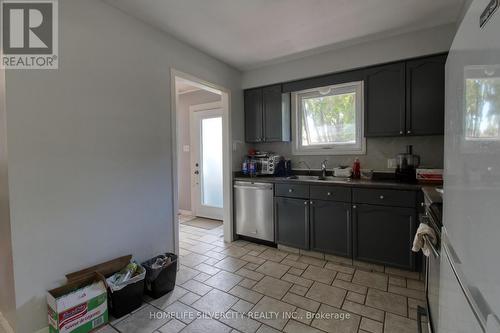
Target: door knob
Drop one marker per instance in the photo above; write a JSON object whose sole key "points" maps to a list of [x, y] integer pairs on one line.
{"points": [[196, 172]]}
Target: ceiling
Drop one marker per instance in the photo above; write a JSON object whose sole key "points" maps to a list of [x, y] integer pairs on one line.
{"points": [[248, 34]]}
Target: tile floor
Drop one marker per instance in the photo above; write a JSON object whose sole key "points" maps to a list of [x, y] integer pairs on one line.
{"points": [[255, 288]]}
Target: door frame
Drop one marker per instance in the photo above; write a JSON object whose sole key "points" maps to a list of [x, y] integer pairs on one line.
{"points": [[192, 113], [226, 146]]}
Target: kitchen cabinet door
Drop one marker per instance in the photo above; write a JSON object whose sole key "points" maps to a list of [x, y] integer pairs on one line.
{"points": [[425, 96], [385, 100], [384, 235], [292, 222], [253, 116], [275, 128], [331, 227]]}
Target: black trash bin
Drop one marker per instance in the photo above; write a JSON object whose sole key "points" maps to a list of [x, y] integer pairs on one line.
{"points": [[127, 299], [160, 281]]}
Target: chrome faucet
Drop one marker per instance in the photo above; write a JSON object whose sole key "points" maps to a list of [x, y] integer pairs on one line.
{"points": [[323, 168]]}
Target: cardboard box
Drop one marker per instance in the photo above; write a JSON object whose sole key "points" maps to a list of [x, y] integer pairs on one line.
{"points": [[79, 306]]}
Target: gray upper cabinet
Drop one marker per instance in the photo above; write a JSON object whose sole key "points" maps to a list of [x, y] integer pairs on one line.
{"points": [[385, 100], [384, 235], [331, 227], [425, 96], [292, 222], [267, 115], [253, 115]]}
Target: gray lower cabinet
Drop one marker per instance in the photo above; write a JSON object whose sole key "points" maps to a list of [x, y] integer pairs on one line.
{"points": [[331, 227], [384, 235], [292, 222]]}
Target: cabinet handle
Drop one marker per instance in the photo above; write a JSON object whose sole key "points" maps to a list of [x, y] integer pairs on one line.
{"points": [[409, 132], [305, 202], [354, 206], [311, 202], [329, 194], [290, 190], [382, 197], [401, 132]]}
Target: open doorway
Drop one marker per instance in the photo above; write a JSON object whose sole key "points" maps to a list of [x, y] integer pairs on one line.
{"points": [[202, 160]]}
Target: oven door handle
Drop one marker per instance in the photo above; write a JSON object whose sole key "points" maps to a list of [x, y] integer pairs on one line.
{"points": [[435, 252]]}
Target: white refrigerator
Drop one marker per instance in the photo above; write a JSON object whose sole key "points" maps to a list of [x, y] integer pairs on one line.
{"points": [[469, 288]]}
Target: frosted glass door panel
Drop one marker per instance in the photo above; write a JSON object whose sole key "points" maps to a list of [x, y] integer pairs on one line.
{"points": [[211, 178]]}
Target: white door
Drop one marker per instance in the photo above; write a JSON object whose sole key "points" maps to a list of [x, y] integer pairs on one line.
{"points": [[206, 163]]}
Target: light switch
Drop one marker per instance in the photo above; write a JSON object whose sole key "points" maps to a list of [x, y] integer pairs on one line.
{"points": [[186, 148]]}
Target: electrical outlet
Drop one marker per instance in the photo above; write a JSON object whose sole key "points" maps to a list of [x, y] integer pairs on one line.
{"points": [[391, 163]]}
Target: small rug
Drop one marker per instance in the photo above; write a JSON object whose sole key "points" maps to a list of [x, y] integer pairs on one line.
{"points": [[201, 222]]}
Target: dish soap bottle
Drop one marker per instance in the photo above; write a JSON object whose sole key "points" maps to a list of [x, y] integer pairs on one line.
{"points": [[356, 169]]}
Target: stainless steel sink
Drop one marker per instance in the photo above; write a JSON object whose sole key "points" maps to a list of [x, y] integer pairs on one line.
{"points": [[318, 178]]}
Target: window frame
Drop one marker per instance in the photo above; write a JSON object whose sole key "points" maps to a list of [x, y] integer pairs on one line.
{"points": [[359, 148]]}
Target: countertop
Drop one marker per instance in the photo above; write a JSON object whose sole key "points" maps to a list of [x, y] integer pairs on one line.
{"points": [[361, 183]]}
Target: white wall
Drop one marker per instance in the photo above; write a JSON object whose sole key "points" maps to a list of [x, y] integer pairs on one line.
{"points": [[359, 55], [90, 150], [7, 299], [184, 138]]}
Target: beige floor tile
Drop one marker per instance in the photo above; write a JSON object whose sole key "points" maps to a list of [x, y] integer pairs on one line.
{"points": [[224, 280], [240, 242], [288, 249], [319, 274], [340, 268], [196, 287], [202, 277], [140, 321], [203, 325], [211, 261], [273, 255], [386, 301], [355, 297], [242, 306], [250, 274], [254, 253], [185, 273], [235, 251], [208, 269], [371, 325], [413, 303], [297, 280], [414, 284], [364, 310], [246, 294], [313, 254], [344, 277], [312, 261], [189, 298], [273, 269], [267, 329], [173, 326], [397, 281], [215, 301], [247, 283], [182, 312], [417, 294], [402, 273], [298, 289], [269, 305], [301, 302], [251, 266], [253, 259], [272, 287], [338, 259], [240, 322], [215, 255], [201, 248], [350, 286], [326, 294], [106, 329], [293, 256], [294, 263], [296, 327], [369, 279], [230, 264], [304, 316], [336, 325], [295, 271], [169, 298], [398, 324]]}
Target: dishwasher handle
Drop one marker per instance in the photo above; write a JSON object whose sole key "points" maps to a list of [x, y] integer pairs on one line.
{"points": [[253, 186]]}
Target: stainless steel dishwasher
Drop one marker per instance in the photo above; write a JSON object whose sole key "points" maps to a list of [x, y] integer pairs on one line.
{"points": [[254, 210]]}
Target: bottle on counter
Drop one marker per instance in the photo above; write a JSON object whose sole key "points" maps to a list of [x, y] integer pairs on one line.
{"points": [[356, 169], [244, 167]]}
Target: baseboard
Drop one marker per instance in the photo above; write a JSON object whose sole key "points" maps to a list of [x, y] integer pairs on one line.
{"points": [[185, 212], [4, 325]]}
